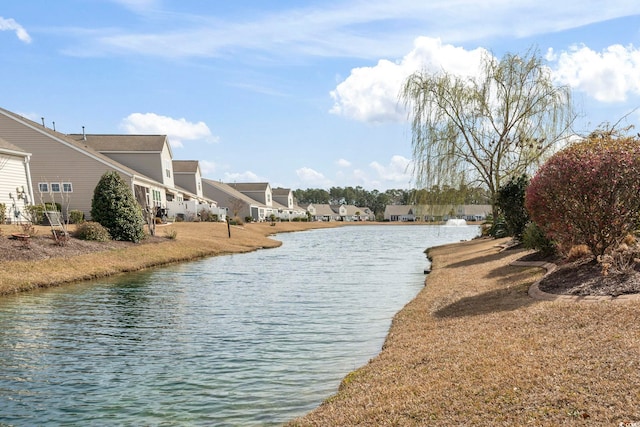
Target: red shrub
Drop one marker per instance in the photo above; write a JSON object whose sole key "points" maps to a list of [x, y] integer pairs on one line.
{"points": [[589, 193]]}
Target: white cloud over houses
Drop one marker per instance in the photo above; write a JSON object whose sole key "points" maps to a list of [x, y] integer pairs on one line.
{"points": [[246, 176], [9, 24], [397, 171], [371, 94], [343, 163], [607, 76], [312, 178], [178, 130]]}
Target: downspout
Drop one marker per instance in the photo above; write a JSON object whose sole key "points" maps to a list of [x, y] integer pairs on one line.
{"points": [[26, 163]]}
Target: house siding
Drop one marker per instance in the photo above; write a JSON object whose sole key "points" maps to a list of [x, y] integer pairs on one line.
{"points": [[52, 161], [13, 174]]}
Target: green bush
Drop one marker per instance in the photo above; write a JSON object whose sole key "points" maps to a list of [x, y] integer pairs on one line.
{"points": [[510, 201], [53, 207], [90, 230], [589, 193], [496, 228], [534, 238], [34, 213], [115, 208], [76, 216]]}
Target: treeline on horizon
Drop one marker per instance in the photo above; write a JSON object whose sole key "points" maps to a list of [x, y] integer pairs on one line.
{"points": [[377, 201]]}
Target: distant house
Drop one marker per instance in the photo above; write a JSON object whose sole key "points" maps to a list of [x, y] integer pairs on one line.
{"points": [[325, 212], [64, 170], [236, 203], [15, 181], [322, 212], [284, 203], [402, 213], [436, 213]]}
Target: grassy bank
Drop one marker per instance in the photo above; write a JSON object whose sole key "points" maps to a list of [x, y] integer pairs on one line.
{"points": [[193, 240], [474, 349]]}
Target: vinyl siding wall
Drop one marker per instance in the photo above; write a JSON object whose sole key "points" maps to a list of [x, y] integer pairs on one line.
{"points": [[13, 173], [52, 161]]}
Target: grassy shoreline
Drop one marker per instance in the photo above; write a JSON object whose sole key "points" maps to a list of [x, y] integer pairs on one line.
{"points": [[474, 349]]}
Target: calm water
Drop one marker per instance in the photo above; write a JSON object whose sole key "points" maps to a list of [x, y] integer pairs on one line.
{"points": [[249, 339]]}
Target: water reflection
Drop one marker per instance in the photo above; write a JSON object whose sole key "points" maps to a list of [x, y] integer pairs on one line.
{"points": [[251, 339]]}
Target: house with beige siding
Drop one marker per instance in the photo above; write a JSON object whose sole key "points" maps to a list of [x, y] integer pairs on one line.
{"points": [[187, 175], [322, 212], [181, 193], [15, 181], [237, 204], [284, 203], [401, 213], [436, 213], [65, 170]]}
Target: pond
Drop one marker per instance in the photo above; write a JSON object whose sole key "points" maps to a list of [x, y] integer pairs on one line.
{"points": [[248, 339]]}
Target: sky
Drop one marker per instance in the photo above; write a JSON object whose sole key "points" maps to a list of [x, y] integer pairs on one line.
{"points": [[297, 94]]}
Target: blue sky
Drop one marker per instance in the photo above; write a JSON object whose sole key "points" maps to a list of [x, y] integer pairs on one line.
{"points": [[299, 94]]}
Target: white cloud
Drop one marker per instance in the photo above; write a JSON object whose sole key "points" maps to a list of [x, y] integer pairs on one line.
{"points": [[371, 93], [207, 168], [608, 76], [397, 171], [178, 130], [355, 28], [11, 25], [312, 178], [246, 176], [343, 163]]}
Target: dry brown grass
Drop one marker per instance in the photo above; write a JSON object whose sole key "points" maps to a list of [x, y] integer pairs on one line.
{"points": [[474, 349], [193, 240]]}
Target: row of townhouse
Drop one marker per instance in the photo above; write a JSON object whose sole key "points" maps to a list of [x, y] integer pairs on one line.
{"points": [[41, 165], [256, 201], [325, 212], [433, 213]]}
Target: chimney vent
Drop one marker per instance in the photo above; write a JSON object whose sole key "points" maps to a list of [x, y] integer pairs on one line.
{"points": [[84, 136]]}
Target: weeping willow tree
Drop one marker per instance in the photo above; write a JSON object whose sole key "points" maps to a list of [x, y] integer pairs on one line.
{"points": [[485, 129]]}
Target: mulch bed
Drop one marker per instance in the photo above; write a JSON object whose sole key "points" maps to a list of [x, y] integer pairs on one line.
{"points": [[41, 247], [583, 277]]}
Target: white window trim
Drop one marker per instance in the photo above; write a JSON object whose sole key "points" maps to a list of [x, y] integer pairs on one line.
{"points": [[70, 185], [43, 187], [59, 190]]}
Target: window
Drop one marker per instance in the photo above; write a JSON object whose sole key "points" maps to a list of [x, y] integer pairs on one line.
{"points": [[157, 196], [67, 187], [55, 187], [167, 168], [43, 187]]}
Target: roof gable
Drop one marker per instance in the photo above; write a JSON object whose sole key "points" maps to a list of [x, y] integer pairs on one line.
{"points": [[124, 143]]}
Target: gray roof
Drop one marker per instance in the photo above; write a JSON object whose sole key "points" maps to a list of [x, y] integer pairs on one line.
{"points": [[78, 145], [186, 166], [249, 186], [399, 210], [323, 209], [281, 191], [232, 192], [122, 143], [7, 146]]}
